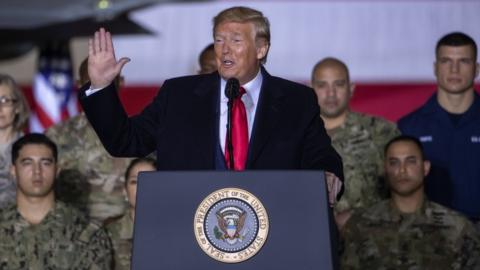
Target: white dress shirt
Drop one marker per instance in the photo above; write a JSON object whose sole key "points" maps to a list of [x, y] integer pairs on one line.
{"points": [[250, 99]]}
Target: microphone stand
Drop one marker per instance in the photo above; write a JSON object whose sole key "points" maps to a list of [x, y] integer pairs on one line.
{"points": [[229, 134], [231, 91]]}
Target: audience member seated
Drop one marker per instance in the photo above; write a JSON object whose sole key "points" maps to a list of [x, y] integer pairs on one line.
{"points": [[448, 125], [121, 230], [90, 178], [408, 231], [357, 137], [14, 113], [38, 232]]}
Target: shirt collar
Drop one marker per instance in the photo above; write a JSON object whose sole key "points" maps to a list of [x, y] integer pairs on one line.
{"points": [[396, 214], [20, 223], [252, 88], [432, 106]]}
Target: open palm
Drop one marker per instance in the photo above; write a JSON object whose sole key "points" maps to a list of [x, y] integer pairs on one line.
{"points": [[102, 64]]}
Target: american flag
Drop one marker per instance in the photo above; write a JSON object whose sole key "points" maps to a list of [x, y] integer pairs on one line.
{"points": [[54, 97]]}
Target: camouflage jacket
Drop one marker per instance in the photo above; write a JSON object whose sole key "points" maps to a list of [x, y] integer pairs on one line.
{"points": [[63, 240], [434, 237], [7, 182], [360, 142], [90, 178], [121, 234]]}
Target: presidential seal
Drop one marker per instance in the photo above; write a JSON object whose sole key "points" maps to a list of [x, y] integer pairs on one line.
{"points": [[231, 225]]}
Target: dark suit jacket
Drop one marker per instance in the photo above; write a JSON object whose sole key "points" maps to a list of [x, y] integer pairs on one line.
{"points": [[181, 124]]}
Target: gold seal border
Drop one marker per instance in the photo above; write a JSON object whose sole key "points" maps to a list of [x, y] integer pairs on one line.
{"points": [[255, 204]]}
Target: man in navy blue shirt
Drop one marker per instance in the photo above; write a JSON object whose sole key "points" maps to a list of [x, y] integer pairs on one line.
{"points": [[448, 126]]}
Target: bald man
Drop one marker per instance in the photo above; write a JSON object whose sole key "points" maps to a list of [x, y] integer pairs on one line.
{"points": [[357, 137]]}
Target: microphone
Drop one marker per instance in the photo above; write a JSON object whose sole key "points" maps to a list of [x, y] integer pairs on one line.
{"points": [[232, 90]]}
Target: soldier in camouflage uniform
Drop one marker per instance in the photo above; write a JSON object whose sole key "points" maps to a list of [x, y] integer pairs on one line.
{"points": [[7, 183], [408, 231], [121, 234], [359, 141], [121, 230], [38, 232], [63, 240], [358, 138], [15, 112], [90, 179]]}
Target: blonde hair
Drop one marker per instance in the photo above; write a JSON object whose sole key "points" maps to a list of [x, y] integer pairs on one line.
{"points": [[22, 110], [244, 15]]}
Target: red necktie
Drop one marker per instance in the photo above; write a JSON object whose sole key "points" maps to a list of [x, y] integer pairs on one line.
{"points": [[239, 134]]}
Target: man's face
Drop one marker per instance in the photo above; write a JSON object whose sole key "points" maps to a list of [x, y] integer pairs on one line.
{"points": [[405, 169], [455, 69], [333, 90], [35, 170], [237, 53]]}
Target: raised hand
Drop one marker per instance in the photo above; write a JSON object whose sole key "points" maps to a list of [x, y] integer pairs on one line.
{"points": [[102, 64]]}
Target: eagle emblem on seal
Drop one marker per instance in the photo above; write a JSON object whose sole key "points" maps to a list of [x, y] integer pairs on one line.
{"points": [[231, 221]]}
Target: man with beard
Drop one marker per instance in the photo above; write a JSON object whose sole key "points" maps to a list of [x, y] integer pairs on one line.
{"points": [[408, 231]]}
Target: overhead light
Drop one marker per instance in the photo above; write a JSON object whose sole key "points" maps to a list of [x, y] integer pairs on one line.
{"points": [[103, 10], [103, 4]]}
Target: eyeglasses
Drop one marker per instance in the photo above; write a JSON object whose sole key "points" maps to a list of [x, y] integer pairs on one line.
{"points": [[5, 101]]}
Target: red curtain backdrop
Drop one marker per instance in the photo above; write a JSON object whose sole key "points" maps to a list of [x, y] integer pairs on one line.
{"points": [[391, 101]]}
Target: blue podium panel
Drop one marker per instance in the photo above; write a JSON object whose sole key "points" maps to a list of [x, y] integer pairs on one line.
{"points": [[166, 220]]}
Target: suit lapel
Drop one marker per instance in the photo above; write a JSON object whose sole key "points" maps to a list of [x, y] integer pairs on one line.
{"points": [[266, 117], [206, 107]]}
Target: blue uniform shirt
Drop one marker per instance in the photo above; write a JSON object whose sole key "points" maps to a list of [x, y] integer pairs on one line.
{"points": [[453, 150]]}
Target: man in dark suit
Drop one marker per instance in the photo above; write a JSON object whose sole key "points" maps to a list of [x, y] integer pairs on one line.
{"points": [[186, 122]]}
